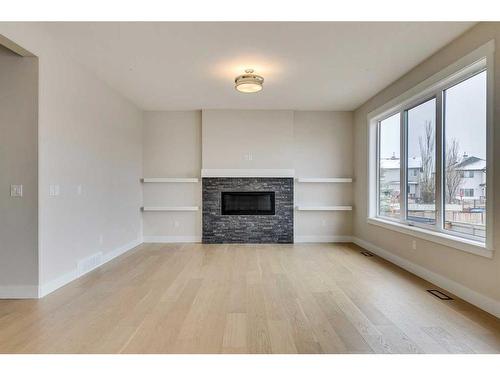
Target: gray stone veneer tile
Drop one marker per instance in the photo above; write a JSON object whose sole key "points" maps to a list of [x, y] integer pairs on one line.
{"points": [[219, 228]]}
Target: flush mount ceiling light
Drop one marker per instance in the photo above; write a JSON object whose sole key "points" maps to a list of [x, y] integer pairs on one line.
{"points": [[248, 82]]}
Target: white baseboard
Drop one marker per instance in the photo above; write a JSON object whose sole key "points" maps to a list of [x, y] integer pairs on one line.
{"points": [[483, 302], [322, 239], [18, 291], [68, 277], [121, 250], [171, 239]]}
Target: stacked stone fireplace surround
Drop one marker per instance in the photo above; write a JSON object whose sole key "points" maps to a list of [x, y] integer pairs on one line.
{"points": [[218, 228]]}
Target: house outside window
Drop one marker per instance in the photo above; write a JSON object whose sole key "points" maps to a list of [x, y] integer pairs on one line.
{"points": [[466, 174], [467, 193]]}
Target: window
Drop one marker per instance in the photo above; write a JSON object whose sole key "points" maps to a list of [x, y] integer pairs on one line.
{"points": [[389, 167], [420, 127], [464, 119], [465, 174], [431, 158]]}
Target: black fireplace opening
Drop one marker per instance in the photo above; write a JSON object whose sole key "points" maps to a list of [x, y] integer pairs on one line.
{"points": [[247, 203]]}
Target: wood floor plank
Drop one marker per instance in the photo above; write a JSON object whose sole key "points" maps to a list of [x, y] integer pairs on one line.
{"points": [[258, 340], [447, 340], [352, 339], [160, 328], [235, 333], [297, 298], [281, 338]]}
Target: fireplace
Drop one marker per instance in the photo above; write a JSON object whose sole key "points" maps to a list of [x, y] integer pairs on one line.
{"points": [[247, 209], [247, 203]]}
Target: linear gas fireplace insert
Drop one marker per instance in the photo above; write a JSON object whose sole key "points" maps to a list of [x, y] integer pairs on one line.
{"points": [[247, 203]]}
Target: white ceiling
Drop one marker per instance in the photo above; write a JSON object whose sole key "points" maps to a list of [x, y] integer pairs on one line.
{"points": [[306, 66]]}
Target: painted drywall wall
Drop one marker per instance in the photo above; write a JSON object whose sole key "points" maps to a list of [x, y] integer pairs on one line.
{"points": [[234, 139], [315, 144], [172, 148], [323, 148], [90, 147], [18, 166], [479, 274]]}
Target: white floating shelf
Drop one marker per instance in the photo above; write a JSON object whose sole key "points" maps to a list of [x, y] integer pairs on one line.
{"points": [[324, 208], [186, 208], [171, 179], [247, 173], [325, 179]]}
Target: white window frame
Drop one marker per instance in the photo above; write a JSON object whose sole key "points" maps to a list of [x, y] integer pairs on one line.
{"points": [[475, 62]]}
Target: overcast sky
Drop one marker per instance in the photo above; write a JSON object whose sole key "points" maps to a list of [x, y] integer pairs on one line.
{"points": [[465, 119]]}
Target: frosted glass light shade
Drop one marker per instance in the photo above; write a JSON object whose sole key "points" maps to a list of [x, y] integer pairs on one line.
{"points": [[248, 82], [248, 87]]}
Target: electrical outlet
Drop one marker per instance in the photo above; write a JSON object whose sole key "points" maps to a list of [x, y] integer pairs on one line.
{"points": [[323, 222], [176, 224], [101, 239], [16, 191], [79, 190], [414, 244]]}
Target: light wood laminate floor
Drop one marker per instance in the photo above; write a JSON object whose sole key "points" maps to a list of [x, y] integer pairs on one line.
{"points": [[194, 298]]}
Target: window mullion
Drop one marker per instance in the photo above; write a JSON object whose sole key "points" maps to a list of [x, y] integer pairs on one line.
{"points": [[440, 212], [377, 173], [402, 166]]}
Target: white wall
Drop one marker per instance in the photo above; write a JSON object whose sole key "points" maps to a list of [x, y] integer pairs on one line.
{"points": [[19, 166], [474, 277], [229, 135], [315, 144], [323, 148], [91, 146], [172, 148], [89, 136]]}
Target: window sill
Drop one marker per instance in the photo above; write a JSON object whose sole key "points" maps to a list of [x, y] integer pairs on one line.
{"points": [[463, 244]]}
